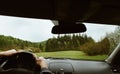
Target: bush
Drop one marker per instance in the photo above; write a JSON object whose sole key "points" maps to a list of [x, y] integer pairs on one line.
{"points": [[99, 48], [90, 48]]}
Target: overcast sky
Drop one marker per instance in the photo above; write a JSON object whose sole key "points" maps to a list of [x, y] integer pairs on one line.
{"points": [[36, 30]]}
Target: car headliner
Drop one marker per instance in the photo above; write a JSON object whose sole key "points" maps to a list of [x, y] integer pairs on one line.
{"points": [[90, 11]]}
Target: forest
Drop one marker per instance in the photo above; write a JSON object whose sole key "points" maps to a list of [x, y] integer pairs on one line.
{"points": [[78, 42], [9, 42]]}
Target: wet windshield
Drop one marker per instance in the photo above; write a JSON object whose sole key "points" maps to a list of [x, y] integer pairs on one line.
{"points": [[34, 35]]}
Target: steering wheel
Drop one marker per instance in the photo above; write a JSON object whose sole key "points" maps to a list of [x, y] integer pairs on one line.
{"points": [[23, 60]]}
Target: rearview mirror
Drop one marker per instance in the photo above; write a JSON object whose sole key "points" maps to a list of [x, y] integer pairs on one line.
{"points": [[68, 27]]}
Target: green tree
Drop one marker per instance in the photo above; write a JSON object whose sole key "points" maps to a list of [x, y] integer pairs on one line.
{"points": [[114, 38]]}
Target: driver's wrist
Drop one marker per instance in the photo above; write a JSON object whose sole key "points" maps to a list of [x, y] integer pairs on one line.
{"points": [[44, 67]]}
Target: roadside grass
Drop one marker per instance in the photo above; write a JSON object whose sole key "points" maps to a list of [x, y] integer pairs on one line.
{"points": [[71, 54]]}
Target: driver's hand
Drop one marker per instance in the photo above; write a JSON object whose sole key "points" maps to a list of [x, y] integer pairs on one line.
{"points": [[42, 62]]}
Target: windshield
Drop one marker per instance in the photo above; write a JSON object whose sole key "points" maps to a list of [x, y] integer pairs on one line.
{"points": [[34, 35]]}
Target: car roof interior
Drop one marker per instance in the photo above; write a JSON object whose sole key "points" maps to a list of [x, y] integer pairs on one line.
{"points": [[90, 11]]}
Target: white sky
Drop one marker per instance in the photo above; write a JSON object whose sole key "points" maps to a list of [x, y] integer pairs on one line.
{"points": [[36, 30], [99, 31]]}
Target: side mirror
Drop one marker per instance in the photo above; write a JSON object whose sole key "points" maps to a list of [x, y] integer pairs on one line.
{"points": [[68, 27]]}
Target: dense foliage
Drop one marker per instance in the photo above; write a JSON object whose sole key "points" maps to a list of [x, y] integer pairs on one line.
{"points": [[96, 48], [8, 42], [114, 38], [67, 42], [78, 42]]}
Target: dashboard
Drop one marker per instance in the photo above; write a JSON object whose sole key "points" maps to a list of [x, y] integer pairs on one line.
{"points": [[59, 66], [69, 66]]}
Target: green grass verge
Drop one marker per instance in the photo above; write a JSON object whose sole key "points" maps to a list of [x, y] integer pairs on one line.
{"points": [[71, 54]]}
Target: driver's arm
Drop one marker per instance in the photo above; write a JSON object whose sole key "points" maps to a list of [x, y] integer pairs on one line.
{"points": [[44, 66], [7, 53]]}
